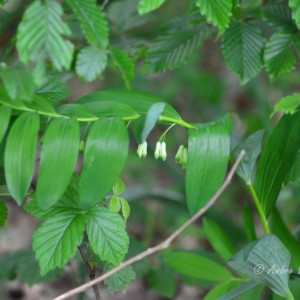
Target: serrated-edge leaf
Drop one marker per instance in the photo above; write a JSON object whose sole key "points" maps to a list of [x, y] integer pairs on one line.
{"points": [[56, 240], [5, 113], [242, 47], [217, 12], [173, 47], [287, 104], [37, 36], [58, 160], [295, 6], [114, 204], [107, 235], [3, 212], [120, 280], [119, 187], [92, 20], [125, 64], [19, 156], [278, 16], [90, 63]]}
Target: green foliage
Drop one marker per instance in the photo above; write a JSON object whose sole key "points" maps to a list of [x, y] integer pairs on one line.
{"points": [[5, 113], [119, 187], [3, 212], [294, 5], [146, 6], [288, 104]]}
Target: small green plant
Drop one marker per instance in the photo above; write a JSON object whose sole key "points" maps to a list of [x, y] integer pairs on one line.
{"points": [[87, 210]]}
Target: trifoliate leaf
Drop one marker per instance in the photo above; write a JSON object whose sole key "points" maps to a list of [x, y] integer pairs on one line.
{"points": [[217, 12], [107, 235], [56, 240], [173, 47], [37, 35], [295, 6], [114, 204], [90, 63], [119, 187], [287, 104], [120, 280], [278, 55], [3, 213], [125, 208], [92, 20], [125, 64], [146, 6], [242, 47]]}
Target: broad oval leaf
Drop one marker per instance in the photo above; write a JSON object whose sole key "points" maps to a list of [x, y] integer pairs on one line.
{"points": [[3, 212], [197, 266], [139, 101], [107, 235], [56, 240], [19, 155], [208, 151], [75, 110], [58, 160], [276, 160], [5, 113], [144, 126], [263, 261], [104, 157]]}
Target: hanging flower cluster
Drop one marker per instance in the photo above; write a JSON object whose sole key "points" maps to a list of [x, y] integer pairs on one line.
{"points": [[181, 156]]}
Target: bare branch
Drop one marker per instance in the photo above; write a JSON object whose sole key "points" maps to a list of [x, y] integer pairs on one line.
{"points": [[164, 244]]}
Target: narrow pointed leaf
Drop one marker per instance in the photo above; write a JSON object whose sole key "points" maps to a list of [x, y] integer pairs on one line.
{"points": [[90, 63], [107, 235], [197, 266], [217, 12], [92, 20], [56, 240], [276, 160], [19, 157], [219, 240], [259, 258], [58, 160], [146, 6], [294, 173], [5, 113], [41, 105], [144, 126], [139, 101], [252, 146], [208, 151], [104, 157], [242, 47], [3, 213], [288, 104]]}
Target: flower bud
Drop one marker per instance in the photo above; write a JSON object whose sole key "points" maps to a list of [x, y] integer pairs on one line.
{"points": [[139, 151], [163, 151], [157, 150], [144, 149], [184, 158], [179, 154], [81, 146]]}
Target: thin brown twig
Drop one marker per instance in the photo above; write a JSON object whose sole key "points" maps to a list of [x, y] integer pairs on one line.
{"points": [[104, 4], [162, 245], [90, 271]]}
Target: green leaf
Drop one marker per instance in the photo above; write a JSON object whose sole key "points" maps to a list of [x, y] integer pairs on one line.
{"points": [[56, 240], [260, 259], [276, 160], [23, 264], [197, 266], [18, 83], [119, 187], [278, 55], [75, 110], [146, 6], [58, 160], [5, 113], [280, 229], [19, 157], [162, 282], [107, 235], [294, 173], [118, 281], [287, 104], [37, 36], [217, 12], [208, 151], [3, 212], [114, 204], [139, 101], [219, 240], [125, 208], [221, 289], [252, 146], [242, 48], [295, 6], [104, 157], [173, 47], [249, 223], [144, 126], [92, 20], [6, 100], [125, 64], [278, 16], [41, 105], [90, 63], [52, 90]]}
